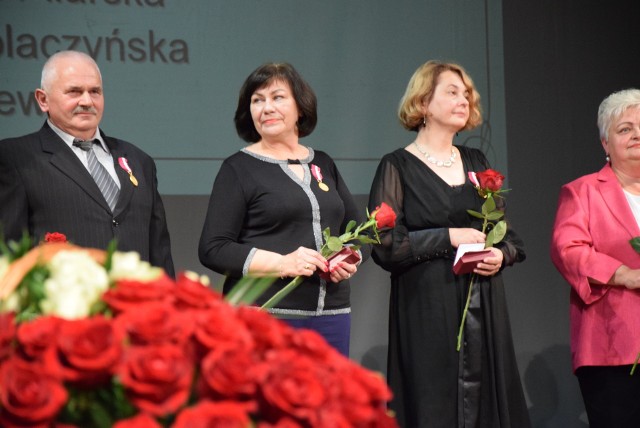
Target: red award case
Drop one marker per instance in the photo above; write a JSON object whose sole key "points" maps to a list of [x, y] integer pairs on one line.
{"points": [[469, 260], [347, 255]]}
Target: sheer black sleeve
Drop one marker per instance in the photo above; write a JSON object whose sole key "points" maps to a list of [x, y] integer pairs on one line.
{"points": [[401, 248]]}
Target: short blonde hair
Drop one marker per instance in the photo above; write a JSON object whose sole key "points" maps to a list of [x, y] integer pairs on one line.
{"points": [[422, 85]]}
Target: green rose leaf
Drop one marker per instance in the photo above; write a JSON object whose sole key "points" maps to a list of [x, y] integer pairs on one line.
{"points": [[475, 214], [495, 215], [334, 244], [350, 226], [326, 234], [489, 206], [368, 240], [497, 233]]}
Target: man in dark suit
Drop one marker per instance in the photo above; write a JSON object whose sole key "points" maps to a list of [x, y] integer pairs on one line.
{"points": [[47, 179]]}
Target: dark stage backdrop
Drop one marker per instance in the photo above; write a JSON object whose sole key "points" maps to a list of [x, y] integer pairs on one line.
{"points": [[562, 58]]}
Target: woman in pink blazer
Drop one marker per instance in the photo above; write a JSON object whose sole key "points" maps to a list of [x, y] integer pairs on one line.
{"points": [[598, 214]]}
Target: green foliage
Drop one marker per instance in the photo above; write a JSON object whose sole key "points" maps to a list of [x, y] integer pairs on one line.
{"points": [[490, 215], [111, 248], [248, 289], [98, 408], [350, 226], [489, 206], [334, 244], [475, 214], [31, 293], [496, 234], [14, 250]]}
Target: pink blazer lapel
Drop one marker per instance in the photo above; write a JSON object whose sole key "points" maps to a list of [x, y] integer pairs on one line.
{"points": [[617, 203]]}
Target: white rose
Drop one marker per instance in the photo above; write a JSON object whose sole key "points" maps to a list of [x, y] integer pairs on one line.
{"points": [[75, 283], [202, 279], [129, 266], [11, 302], [4, 267]]}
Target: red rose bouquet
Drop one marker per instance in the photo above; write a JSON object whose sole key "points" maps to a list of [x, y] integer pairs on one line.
{"points": [[489, 186], [154, 352], [335, 249]]}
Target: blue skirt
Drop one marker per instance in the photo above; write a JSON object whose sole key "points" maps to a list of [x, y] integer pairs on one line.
{"points": [[336, 329]]}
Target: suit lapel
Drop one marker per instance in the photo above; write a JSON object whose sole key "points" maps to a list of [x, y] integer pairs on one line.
{"points": [[63, 158], [126, 187], [617, 203]]}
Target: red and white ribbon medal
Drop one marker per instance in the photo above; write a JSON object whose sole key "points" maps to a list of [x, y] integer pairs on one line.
{"points": [[317, 174], [125, 165]]}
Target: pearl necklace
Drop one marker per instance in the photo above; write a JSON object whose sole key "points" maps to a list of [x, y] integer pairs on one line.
{"points": [[436, 162]]}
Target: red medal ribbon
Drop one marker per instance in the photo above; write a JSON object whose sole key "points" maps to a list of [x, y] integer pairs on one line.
{"points": [[315, 171], [124, 165]]}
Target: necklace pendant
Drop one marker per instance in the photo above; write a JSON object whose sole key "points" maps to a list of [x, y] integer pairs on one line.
{"points": [[439, 163]]}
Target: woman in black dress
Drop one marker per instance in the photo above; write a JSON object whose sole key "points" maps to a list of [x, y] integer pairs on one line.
{"points": [[426, 184], [271, 201]]}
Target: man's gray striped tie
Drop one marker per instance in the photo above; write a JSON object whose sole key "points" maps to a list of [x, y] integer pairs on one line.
{"points": [[105, 182]]}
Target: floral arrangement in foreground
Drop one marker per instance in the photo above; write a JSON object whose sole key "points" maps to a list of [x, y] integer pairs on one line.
{"points": [[488, 183], [101, 339], [337, 248]]}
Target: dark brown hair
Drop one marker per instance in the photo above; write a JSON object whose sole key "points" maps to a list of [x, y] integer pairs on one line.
{"points": [[262, 76]]}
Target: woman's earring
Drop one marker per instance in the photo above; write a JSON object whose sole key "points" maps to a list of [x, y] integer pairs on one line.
{"points": [[424, 120], [607, 158]]}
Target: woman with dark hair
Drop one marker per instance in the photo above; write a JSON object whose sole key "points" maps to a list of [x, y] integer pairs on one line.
{"points": [[271, 201], [426, 184]]}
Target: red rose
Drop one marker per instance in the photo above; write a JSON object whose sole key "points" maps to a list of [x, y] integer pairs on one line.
{"points": [[37, 341], [37, 336], [219, 326], [311, 343], [294, 385], [490, 180], [28, 395], [157, 378], [214, 414], [190, 293], [268, 332], [281, 423], [227, 373], [7, 333], [130, 294], [141, 420], [90, 349], [385, 216], [363, 395], [55, 237], [156, 323]]}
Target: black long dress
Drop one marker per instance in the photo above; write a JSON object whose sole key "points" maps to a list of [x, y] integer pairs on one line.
{"points": [[433, 384]]}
